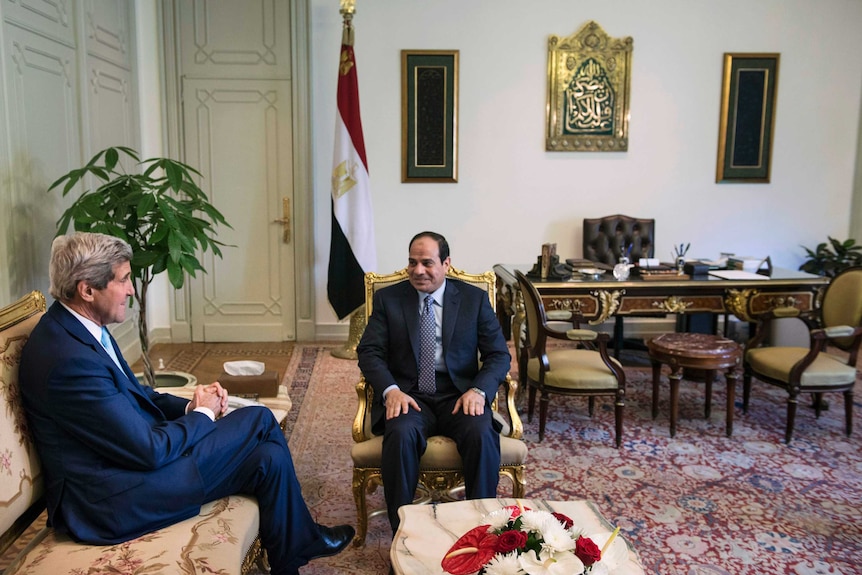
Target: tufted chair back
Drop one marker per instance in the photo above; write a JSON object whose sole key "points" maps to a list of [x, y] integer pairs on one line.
{"points": [[21, 487], [605, 239]]}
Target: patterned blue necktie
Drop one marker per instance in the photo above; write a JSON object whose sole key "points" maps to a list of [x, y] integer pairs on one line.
{"points": [[427, 347]]}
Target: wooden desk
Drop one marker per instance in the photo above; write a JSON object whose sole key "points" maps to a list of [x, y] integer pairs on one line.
{"points": [[600, 299], [427, 532]]}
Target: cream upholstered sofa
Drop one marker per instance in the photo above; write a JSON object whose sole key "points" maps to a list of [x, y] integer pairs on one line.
{"points": [[223, 538]]}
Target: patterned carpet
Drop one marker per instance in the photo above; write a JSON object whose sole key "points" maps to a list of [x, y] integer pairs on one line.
{"points": [[697, 504]]}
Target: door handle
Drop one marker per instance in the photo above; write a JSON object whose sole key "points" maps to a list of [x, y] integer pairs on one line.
{"points": [[284, 220]]}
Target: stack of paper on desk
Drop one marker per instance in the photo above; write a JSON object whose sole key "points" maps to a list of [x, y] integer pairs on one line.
{"points": [[737, 275]]}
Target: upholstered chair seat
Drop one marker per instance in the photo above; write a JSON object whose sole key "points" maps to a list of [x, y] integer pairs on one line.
{"points": [[778, 362], [575, 369]]}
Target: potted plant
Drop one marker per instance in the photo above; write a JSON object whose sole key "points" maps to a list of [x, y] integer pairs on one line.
{"points": [[829, 259], [161, 212]]}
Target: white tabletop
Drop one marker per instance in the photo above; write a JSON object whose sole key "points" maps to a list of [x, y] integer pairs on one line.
{"points": [[427, 532]]}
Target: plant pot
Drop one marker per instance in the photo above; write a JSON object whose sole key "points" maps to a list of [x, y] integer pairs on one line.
{"points": [[170, 379]]}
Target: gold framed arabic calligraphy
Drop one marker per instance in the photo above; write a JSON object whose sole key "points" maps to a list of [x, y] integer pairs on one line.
{"points": [[747, 121], [589, 81], [429, 116]]}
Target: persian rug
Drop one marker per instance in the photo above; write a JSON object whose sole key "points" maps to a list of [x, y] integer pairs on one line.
{"points": [[696, 504]]}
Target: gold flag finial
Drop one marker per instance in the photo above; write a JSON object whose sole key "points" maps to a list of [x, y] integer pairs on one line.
{"points": [[348, 8]]}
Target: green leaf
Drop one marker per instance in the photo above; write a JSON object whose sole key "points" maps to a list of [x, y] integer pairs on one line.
{"points": [[145, 206], [174, 247], [175, 274], [111, 158], [174, 175]]}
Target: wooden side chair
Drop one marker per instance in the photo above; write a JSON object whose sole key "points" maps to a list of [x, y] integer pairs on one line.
{"points": [[441, 476], [838, 322], [580, 372]]}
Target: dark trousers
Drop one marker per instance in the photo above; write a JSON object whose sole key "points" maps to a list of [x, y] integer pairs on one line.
{"points": [[248, 454], [405, 440]]}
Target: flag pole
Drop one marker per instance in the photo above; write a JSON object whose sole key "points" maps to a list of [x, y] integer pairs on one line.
{"points": [[357, 328], [357, 317]]}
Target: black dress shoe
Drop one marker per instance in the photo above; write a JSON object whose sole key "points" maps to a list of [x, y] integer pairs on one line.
{"points": [[332, 541]]}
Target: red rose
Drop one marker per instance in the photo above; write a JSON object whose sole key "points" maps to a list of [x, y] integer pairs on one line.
{"points": [[511, 540], [567, 523], [587, 551]]}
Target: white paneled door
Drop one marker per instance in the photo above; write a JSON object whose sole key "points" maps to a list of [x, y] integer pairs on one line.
{"points": [[238, 135], [235, 86]]}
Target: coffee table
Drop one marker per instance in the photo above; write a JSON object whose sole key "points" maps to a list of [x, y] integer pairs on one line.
{"points": [[427, 532]]}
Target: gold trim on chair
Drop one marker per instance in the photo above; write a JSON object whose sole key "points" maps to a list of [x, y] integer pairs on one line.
{"points": [[33, 302]]}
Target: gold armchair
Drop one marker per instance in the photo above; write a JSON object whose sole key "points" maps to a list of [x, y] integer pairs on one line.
{"points": [[441, 474], [838, 322]]}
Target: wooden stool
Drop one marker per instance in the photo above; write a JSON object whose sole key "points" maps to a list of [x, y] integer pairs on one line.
{"points": [[699, 351]]}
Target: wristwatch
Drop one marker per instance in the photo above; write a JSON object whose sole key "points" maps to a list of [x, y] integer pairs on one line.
{"points": [[477, 390]]}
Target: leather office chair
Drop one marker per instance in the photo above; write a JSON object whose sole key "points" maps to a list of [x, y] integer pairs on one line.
{"points": [[441, 476], [838, 322], [580, 372], [607, 239]]}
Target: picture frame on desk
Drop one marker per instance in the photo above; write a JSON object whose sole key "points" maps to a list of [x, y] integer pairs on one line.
{"points": [[747, 120], [429, 116]]}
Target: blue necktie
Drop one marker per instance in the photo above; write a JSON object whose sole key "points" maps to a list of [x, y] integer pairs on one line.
{"points": [[106, 343], [427, 347]]}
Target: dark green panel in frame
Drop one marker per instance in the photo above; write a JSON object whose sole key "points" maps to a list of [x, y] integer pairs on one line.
{"points": [[746, 126], [429, 116]]}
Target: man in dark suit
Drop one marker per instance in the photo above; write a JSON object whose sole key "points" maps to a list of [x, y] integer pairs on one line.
{"points": [[121, 459], [441, 391]]}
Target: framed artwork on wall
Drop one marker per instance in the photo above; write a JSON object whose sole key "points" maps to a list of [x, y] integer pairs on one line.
{"points": [[747, 121], [429, 116], [589, 83]]}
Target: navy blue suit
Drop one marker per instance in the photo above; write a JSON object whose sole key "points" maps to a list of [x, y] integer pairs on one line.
{"points": [[389, 354], [121, 459]]}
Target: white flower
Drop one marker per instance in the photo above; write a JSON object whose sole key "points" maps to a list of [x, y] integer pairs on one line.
{"points": [[498, 518], [504, 565], [576, 532], [551, 564], [532, 521], [556, 537]]}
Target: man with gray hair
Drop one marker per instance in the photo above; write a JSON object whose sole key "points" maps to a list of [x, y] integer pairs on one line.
{"points": [[121, 459]]}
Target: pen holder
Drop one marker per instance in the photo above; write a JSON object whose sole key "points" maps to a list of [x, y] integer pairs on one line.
{"points": [[680, 265]]}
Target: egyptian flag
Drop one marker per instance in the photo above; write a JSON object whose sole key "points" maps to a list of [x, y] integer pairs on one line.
{"points": [[351, 249]]}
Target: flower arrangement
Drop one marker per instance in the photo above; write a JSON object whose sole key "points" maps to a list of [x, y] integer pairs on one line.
{"points": [[520, 541]]}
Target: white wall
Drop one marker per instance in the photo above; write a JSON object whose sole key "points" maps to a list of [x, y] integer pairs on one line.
{"points": [[152, 137], [512, 195]]}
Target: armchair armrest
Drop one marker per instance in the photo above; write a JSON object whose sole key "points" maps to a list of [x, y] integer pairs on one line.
{"points": [[838, 331], [362, 420], [516, 427], [581, 335]]}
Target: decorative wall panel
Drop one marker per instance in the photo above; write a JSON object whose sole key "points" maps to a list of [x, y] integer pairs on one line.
{"points": [[44, 136], [249, 38], [52, 18], [106, 28]]}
